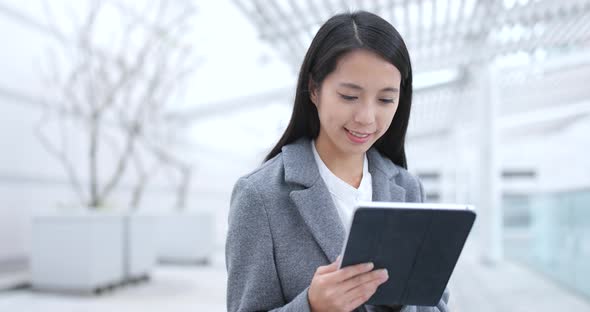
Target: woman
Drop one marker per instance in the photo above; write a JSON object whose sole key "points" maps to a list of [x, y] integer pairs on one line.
{"points": [[344, 143]]}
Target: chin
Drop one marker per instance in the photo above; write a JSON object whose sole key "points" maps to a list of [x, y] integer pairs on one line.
{"points": [[356, 148]]}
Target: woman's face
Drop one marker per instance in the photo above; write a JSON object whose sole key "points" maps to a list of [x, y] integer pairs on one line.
{"points": [[356, 102]]}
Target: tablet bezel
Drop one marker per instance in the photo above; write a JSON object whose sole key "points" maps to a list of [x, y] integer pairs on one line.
{"points": [[398, 205]]}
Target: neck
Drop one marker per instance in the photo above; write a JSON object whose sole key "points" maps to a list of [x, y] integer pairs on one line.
{"points": [[348, 167]]}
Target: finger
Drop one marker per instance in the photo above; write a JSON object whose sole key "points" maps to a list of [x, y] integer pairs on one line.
{"points": [[350, 271], [376, 275], [330, 267], [362, 292], [365, 289], [355, 303]]}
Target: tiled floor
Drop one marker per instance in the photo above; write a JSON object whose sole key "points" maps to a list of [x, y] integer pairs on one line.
{"points": [[170, 289], [474, 287]]}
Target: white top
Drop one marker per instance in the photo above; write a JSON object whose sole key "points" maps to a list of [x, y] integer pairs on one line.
{"points": [[344, 195]]}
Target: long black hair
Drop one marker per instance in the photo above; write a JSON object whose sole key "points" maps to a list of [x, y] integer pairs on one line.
{"points": [[339, 35]]}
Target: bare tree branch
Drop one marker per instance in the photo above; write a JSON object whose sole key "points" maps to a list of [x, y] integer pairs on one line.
{"points": [[142, 178], [183, 169], [124, 87], [61, 155]]}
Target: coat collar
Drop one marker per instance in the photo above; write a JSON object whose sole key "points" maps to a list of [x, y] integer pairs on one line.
{"points": [[314, 201]]}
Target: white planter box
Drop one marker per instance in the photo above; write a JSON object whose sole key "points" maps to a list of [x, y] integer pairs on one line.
{"points": [[80, 252], [186, 237], [140, 246]]}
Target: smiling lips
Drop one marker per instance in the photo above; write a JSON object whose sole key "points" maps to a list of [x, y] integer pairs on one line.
{"points": [[358, 137]]}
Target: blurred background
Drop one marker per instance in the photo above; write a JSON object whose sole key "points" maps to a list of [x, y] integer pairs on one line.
{"points": [[125, 124]]}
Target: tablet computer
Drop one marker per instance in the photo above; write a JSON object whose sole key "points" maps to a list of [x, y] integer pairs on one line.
{"points": [[419, 245]]}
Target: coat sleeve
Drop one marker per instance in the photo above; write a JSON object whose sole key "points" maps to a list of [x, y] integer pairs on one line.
{"points": [[440, 307], [422, 192], [253, 282]]}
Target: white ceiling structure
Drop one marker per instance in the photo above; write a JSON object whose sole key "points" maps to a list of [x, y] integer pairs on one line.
{"points": [[439, 33], [457, 36]]}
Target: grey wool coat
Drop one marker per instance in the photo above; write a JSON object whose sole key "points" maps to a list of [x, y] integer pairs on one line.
{"points": [[283, 225]]}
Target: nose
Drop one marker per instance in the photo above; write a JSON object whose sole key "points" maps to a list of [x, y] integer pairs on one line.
{"points": [[365, 114]]}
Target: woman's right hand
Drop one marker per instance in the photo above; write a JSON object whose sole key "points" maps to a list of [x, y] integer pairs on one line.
{"points": [[345, 289]]}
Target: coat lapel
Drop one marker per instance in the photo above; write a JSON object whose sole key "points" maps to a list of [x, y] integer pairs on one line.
{"points": [[314, 202], [383, 172], [319, 213]]}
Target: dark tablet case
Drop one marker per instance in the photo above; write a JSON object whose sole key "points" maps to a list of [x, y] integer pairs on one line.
{"points": [[419, 248]]}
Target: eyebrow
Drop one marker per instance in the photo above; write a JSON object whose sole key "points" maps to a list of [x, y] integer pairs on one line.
{"points": [[357, 87]]}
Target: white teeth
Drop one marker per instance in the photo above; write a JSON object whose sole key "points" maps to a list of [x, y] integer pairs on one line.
{"points": [[358, 135]]}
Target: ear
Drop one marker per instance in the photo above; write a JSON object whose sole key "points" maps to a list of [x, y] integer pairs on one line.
{"points": [[313, 91]]}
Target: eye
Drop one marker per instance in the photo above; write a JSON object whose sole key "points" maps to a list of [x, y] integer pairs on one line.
{"points": [[386, 100], [348, 97]]}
